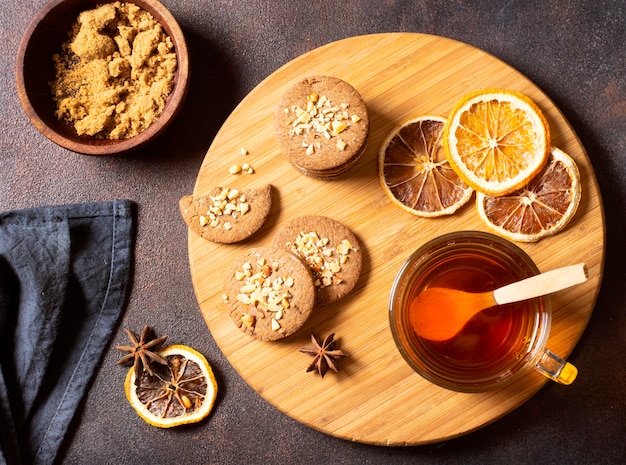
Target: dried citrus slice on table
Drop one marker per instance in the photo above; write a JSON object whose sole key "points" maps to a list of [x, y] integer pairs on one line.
{"points": [[497, 140], [181, 392], [540, 209], [415, 173]]}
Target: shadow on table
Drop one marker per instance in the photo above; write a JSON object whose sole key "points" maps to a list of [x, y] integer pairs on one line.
{"points": [[213, 93]]}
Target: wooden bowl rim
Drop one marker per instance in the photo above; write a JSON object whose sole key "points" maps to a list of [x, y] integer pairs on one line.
{"points": [[85, 144]]}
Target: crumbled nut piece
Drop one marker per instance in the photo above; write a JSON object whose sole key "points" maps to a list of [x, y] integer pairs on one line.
{"points": [[234, 169], [244, 299], [338, 127], [247, 168], [266, 270], [344, 247], [341, 145], [243, 151], [248, 320]]}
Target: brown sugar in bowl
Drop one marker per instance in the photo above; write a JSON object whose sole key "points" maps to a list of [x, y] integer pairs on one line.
{"points": [[35, 70]]}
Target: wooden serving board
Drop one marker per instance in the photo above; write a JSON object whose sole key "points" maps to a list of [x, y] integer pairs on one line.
{"points": [[376, 397]]}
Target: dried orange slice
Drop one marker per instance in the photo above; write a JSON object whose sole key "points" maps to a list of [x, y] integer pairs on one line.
{"points": [[181, 392], [497, 140], [542, 208], [415, 173]]}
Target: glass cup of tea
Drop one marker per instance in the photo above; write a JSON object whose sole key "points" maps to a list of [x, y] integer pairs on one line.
{"points": [[496, 346]]}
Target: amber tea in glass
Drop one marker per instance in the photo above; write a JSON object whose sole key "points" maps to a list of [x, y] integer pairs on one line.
{"points": [[495, 346]]}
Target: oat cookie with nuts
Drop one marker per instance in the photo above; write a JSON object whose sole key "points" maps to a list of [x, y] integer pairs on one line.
{"points": [[322, 126], [330, 249], [269, 292], [227, 215]]}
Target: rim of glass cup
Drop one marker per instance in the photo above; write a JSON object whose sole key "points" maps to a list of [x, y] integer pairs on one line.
{"points": [[403, 334]]}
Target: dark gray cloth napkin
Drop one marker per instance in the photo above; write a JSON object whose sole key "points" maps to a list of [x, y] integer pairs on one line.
{"points": [[64, 278]]}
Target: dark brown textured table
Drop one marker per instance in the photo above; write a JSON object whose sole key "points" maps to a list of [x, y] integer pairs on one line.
{"points": [[573, 50]]}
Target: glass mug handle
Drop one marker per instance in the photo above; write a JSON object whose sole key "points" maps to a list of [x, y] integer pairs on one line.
{"points": [[555, 368]]}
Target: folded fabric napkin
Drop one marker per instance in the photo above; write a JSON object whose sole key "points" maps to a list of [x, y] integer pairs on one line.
{"points": [[64, 277]]}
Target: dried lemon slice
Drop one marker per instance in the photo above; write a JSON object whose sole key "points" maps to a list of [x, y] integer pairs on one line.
{"points": [[415, 173], [181, 392], [497, 140], [540, 209]]}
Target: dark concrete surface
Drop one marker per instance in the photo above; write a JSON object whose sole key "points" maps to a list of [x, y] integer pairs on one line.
{"points": [[574, 50]]}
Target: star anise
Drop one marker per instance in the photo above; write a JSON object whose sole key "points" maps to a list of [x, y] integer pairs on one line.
{"points": [[324, 354], [143, 352]]}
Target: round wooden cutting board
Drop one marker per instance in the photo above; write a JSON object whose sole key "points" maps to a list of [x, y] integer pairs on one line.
{"points": [[376, 398]]}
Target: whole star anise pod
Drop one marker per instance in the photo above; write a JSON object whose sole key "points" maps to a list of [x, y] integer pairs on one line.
{"points": [[142, 353], [324, 354]]}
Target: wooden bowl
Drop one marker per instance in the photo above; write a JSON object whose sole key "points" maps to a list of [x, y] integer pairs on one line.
{"points": [[35, 70]]}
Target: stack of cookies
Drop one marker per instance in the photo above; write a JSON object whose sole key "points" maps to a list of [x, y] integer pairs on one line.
{"points": [[322, 126]]}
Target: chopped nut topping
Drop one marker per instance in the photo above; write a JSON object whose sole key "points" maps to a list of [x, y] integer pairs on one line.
{"points": [[338, 127], [324, 260], [266, 290], [227, 205], [320, 118], [234, 169], [248, 320]]}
